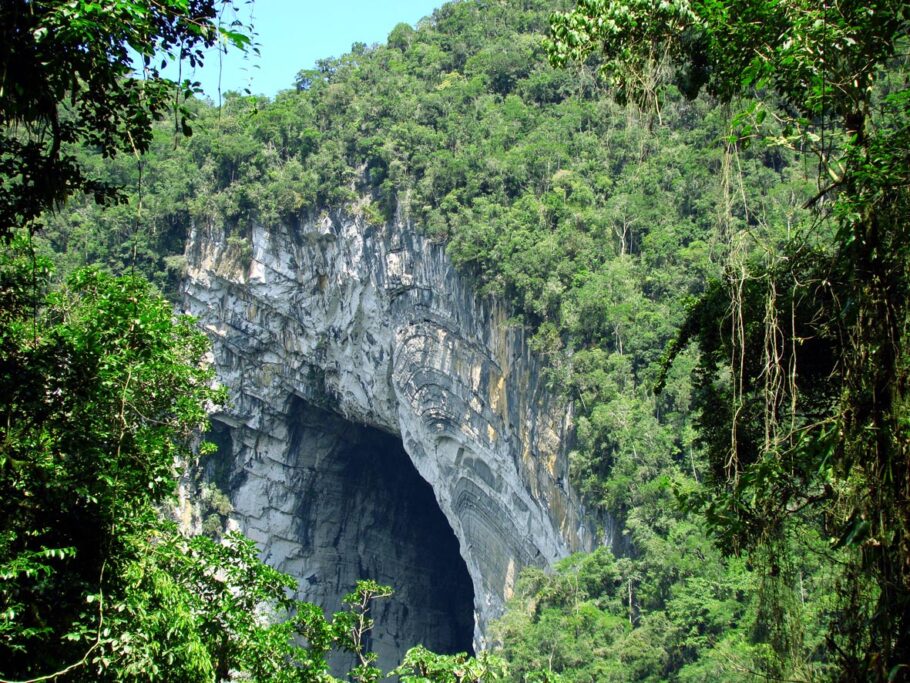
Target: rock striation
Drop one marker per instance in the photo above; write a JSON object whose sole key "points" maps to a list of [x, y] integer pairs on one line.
{"points": [[353, 352]]}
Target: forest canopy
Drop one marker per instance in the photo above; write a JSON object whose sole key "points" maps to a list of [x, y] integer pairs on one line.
{"points": [[91, 73], [630, 177], [815, 415], [105, 393]]}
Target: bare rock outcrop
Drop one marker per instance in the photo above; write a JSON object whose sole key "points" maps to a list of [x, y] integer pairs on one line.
{"points": [[328, 332]]}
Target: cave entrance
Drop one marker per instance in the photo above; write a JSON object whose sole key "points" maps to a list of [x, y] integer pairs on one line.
{"points": [[349, 504]]}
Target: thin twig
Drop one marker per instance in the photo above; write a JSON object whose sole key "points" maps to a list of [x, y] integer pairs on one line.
{"points": [[94, 646]]}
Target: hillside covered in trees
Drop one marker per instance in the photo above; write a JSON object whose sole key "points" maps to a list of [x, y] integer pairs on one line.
{"points": [[684, 240]]}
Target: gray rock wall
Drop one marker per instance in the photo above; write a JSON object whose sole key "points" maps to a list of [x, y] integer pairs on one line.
{"points": [[374, 325]]}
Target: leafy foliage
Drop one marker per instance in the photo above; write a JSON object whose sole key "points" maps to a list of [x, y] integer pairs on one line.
{"points": [[103, 388], [803, 374], [103, 391], [67, 75], [422, 666], [600, 217]]}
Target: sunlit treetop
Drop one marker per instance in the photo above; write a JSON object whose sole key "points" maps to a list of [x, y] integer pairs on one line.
{"points": [[820, 57]]}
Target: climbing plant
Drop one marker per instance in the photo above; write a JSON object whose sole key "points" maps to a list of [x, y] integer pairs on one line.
{"points": [[803, 377]]}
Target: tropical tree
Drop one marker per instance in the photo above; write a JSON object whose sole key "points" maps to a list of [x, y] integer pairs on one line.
{"points": [[803, 377], [91, 73], [102, 390], [104, 394]]}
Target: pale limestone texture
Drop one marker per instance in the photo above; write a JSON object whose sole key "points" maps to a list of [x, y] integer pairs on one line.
{"points": [[374, 324]]}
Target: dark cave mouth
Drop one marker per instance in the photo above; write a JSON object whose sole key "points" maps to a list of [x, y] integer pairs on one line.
{"points": [[366, 513]]}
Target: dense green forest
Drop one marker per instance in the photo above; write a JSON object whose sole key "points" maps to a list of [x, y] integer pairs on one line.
{"points": [[701, 223], [105, 393]]}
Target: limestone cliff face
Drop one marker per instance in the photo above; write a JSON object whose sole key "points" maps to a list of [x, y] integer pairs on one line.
{"points": [[330, 329]]}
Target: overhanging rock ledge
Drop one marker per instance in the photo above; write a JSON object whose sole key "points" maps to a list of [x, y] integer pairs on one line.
{"points": [[374, 325]]}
